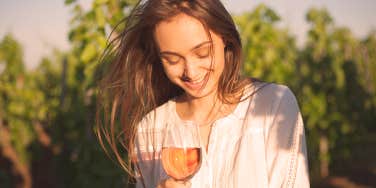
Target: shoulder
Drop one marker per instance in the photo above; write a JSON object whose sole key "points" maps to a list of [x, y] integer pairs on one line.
{"points": [[156, 118], [270, 98], [271, 92], [265, 90]]}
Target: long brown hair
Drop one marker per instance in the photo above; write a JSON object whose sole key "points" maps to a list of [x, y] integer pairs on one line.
{"points": [[134, 82]]}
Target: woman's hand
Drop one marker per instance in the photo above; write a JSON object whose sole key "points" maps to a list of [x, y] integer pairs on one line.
{"points": [[171, 183]]}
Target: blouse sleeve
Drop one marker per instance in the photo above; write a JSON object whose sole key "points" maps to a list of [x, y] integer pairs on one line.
{"points": [[286, 152], [147, 163]]}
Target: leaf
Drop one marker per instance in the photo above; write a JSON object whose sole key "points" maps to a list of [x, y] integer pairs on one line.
{"points": [[101, 41], [88, 53], [99, 17], [99, 2], [68, 2]]}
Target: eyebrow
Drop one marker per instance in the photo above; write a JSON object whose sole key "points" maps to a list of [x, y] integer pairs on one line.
{"points": [[194, 48]]}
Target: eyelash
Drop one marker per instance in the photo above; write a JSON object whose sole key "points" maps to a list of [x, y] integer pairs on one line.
{"points": [[202, 55], [199, 54], [171, 62]]}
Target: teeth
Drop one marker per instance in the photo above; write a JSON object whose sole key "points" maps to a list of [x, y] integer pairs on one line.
{"points": [[198, 81]]}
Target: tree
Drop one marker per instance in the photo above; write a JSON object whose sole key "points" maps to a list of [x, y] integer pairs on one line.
{"points": [[82, 158], [269, 52], [331, 95], [49, 112], [15, 132]]}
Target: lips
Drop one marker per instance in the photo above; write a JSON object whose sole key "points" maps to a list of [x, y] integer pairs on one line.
{"points": [[195, 84]]}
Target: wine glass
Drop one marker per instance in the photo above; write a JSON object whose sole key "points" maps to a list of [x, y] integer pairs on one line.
{"points": [[181, 150]]}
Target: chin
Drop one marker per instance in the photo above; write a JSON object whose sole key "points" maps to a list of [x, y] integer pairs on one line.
{"points": [[197, 94]]}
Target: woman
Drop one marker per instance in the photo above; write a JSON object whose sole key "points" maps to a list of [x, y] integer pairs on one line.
{"points": [[181, 60]]}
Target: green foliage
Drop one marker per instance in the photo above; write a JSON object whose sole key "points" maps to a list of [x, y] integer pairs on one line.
{"points": [[90, 31], [84, 161], [16, 102], [269, 52], [60, 95], [11, 58], [67, 2], [335, 101]]}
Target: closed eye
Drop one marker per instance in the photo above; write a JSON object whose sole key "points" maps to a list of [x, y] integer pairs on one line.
{"points": [[203, 52], [172, 59]]}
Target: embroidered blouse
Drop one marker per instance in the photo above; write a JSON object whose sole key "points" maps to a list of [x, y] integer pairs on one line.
{"points": [[261, 144]]}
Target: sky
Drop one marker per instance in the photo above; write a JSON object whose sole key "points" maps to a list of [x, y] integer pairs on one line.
{"points": [[42, 25]]}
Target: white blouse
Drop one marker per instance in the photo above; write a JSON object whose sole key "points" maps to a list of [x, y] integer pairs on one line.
{"points": [[260, 144]]}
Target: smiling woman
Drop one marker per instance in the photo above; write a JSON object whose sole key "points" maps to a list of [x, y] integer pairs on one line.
{"points": [[179, 61]]}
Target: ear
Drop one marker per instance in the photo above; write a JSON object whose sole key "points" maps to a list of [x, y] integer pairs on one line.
{"points": [[227, 46], [226, 43]]}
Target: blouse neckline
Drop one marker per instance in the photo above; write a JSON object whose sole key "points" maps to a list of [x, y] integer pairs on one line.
{"points": [[237, 113]]}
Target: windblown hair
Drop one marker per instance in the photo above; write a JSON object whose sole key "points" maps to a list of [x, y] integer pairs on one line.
{"points": [[134, 82]]}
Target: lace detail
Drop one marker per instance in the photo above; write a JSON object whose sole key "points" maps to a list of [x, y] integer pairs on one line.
{"points": [[294, 151]]}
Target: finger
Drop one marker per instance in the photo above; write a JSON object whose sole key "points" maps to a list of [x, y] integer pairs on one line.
{"points": [[177, 184]]}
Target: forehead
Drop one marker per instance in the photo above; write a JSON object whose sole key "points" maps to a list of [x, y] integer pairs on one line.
{"points": [[180, 33]]}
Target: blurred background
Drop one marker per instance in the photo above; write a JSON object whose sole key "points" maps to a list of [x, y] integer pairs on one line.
{"points": [[325, 51]]}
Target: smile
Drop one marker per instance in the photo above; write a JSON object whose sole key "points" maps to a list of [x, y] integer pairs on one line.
{"points": [[196, 84]]}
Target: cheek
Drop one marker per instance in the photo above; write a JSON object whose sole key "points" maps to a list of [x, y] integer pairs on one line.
{"points": [[172, 72], [206, 63], [220, 60]]}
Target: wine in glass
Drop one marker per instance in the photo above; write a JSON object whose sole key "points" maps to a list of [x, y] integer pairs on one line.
{"points": [[181, 150]]}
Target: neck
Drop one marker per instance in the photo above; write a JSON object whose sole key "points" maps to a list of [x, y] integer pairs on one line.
{"points": [[202, 110]]}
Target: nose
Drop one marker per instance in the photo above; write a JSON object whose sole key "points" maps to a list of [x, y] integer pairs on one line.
{"points": [[190, 70]]}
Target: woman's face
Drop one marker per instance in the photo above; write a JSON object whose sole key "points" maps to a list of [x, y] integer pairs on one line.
{"points": [[184, 48]]}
